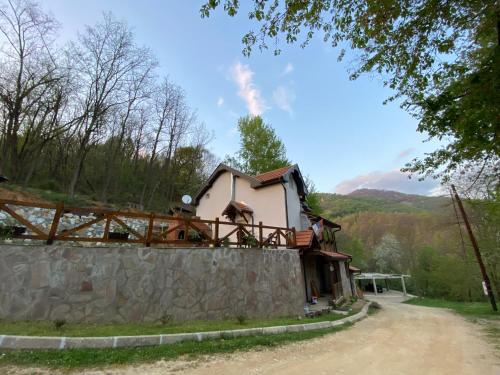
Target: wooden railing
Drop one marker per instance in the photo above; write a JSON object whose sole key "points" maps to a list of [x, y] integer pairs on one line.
{"points": [[154, 228]]}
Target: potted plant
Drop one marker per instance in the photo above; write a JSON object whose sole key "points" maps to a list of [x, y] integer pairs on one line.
{"points": [[11, 230], [194, 236], [119, 233], [249, 240]]}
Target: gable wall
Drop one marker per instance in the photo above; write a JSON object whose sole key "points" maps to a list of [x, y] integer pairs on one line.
{"points": [[268, 203], [220, 194]]}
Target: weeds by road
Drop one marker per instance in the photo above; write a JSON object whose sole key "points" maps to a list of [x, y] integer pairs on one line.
{"points": [[87, 358]]}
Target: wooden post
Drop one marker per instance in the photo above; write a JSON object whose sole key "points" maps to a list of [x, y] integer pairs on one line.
{"points": [[475, 246], [106, 228], [261, 237], [216, 232], [55, 223], [294, 237], [374, 286], [149, 235], [403, 284]]}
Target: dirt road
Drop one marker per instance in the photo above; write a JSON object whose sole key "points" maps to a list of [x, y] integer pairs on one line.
{"points": [[400, 339]]}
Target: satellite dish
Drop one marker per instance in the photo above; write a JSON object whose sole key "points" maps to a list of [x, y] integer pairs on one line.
{"points": [[186, 199]]}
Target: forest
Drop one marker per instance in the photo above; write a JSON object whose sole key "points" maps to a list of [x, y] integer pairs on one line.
{"points": [[93, 116], [424, 237]]}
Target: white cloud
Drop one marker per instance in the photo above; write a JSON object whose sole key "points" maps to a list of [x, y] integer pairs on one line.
{"points": [[288, 69], [391, 180], [405, 153], [284, 98], [220, 102], [242, 76]]}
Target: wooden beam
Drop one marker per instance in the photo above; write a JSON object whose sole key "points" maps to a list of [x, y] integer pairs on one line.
{"points": [[22, 220]]}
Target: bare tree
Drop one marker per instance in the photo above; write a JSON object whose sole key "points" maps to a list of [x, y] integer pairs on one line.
{"points": [[28, 74], [103, 62]]}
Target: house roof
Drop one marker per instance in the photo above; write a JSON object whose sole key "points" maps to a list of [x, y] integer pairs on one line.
{"points": [[273, 175], [354, 269], [326, 222], [265, 179], [334, 256], [304, 238], [239, 207]]}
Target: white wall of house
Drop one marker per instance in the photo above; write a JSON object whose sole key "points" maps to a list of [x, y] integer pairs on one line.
{"points": [[294, 206], [268, 203], [215, 199]]}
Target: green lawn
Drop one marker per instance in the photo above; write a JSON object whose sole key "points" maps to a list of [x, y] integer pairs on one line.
{"points": [[80, 358], [467, 309], [47, 328]]}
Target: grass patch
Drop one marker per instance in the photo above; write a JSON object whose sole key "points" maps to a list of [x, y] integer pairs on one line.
{"points": [[48, 328], [82, 358], [374, 308], [467, 309]]}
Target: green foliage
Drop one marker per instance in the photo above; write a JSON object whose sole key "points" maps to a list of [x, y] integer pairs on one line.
{"points": [[250, 241], [313, 198], [419, 236], [165, 325], [337, 205], [59, 323], [468, 309], [260, 148], [82, 358], [442, 57]]}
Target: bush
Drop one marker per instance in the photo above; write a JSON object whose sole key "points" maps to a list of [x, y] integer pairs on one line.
{"points": [[59, 323], [242, 319]]}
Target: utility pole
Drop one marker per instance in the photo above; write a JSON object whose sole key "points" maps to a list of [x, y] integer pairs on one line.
{"points": [[486, 279]]}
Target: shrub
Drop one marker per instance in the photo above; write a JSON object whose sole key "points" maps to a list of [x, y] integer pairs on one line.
{"points": [[59, 323], [242, 319]]}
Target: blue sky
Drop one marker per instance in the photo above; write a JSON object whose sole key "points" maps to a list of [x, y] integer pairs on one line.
{"points": [[337, 130]]}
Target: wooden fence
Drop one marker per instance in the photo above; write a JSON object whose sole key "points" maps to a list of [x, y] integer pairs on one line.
{"points": [[156, 228]]}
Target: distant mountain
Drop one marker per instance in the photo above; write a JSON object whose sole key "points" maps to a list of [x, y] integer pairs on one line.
{"points": [[362, 200]]}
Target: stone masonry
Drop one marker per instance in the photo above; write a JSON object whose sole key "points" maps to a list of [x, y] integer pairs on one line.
{"points": [[123, 284]]}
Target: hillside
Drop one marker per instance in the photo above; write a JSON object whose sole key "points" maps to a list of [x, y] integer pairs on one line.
{"points": [[372, 200]]}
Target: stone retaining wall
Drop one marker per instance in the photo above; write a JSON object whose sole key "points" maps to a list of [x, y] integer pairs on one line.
{"points": [[117, 284]]}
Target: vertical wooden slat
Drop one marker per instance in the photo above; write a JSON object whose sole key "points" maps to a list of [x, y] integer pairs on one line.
{"points": [[294, 238], [149, 235], [55, 223], [106, 228], [216, 232], [261, 237]]}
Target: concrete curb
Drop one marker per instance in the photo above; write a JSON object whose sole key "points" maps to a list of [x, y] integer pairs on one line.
{"points": [[41, 342]]}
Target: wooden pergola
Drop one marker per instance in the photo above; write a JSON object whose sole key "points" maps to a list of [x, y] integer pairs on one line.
{"points": [[382, 276]]}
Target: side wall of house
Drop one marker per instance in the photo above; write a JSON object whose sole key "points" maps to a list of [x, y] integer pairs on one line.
{"points": [[294, 206], [344, 279]]}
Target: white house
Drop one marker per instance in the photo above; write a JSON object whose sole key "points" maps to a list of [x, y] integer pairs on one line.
{"points": [[278, 198]]}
